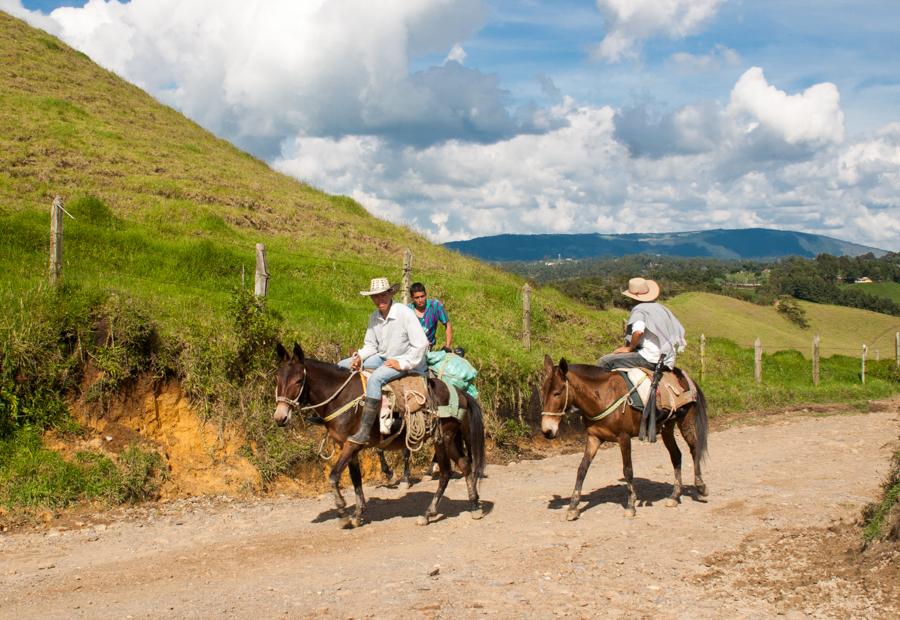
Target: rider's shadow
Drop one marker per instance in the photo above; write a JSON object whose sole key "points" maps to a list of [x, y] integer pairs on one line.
{"points": [[648, 492], [412, 504]]}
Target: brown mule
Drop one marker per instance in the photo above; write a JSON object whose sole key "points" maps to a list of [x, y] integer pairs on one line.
{"points": [[330, 391], [598, 396]]}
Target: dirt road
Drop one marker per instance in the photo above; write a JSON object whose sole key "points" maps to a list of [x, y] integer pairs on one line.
{"points": [[760, 546]]}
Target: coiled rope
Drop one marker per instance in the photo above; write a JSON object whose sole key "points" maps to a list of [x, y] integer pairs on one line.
{"points": [[417, 427]]}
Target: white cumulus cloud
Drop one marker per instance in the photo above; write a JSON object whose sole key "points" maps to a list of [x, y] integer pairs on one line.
{"points": [[813, 116], [629, 23], [257, 71]]}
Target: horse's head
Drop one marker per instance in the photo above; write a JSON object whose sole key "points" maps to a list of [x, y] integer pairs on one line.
{"points": [[555, 397], [290, 382]]}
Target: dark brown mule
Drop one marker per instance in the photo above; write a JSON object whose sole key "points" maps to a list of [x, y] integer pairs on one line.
{"points": [[594, 393], [326, 389]]}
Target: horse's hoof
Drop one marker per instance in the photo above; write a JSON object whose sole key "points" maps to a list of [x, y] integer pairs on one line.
{"points": [[422, 520], [702, 490], [572, 515], [359, 521], [345, 523], [477, 514], [403, 485], [671, 503], [630, 513]]}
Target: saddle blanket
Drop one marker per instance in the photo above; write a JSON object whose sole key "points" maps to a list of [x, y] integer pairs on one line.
{"points": [[670, 394]]}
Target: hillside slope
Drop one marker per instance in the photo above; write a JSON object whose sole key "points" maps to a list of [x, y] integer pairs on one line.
{"points": [[170, 214], [843, 331]]}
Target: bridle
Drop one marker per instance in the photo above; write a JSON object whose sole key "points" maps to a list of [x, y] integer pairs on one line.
{"points": [[295, 403], [565, 405], [615, 405]]}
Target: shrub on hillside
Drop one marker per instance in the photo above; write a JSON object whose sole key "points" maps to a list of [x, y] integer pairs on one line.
{"points": [[792, 311], [881, 520]]}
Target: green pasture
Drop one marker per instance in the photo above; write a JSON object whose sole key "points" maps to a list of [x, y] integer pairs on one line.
{"points": [[842, 330], [888, 290]]}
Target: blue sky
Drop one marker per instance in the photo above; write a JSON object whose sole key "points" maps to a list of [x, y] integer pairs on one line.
{"points": [[468, 117]]}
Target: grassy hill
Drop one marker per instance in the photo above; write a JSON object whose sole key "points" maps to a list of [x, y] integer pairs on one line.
{"points": [[169, 214], [843, 331], [166, 220]]}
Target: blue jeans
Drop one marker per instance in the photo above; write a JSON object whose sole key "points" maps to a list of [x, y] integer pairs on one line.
{"points": [[624, 360], [382, 374]]}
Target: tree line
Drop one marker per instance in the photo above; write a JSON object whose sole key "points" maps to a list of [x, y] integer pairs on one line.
{"points": [[823, 279]]}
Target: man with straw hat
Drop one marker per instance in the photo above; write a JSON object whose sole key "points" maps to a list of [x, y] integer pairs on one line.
{"points": [[653, 331], [395, 344]]}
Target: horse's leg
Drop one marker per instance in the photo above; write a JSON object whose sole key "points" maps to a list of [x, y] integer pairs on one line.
{"points": [[348, 451], [385, 467], [686, 426], [356, 477], [590, 450], [465, 466], [404, 481], [444, 463], [668, 435], [628, 473]]}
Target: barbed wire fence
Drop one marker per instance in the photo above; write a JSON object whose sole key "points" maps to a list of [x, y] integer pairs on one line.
{"points": [[262, 276]]}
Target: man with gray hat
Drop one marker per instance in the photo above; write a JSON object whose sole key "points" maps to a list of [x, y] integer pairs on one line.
{"points": [[395, 344], [653, 331]]}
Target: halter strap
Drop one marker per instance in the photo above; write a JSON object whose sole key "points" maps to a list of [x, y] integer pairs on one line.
{"points": [[295, 403], [606, 411], [560, 414], [618, 402]]}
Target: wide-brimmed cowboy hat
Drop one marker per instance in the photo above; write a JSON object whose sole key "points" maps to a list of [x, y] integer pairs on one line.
{"points": [[378, 286], [642, 290]]}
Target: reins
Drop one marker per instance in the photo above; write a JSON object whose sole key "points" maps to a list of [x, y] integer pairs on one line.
{"points": [[605, 412], [295, 403]]}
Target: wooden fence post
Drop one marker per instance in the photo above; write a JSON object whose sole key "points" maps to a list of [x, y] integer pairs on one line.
{"points": [[897, 348], [526, 316], [56, 240], [702, 356], [815, 355], [757, 360], [407, 274], [261, 283], [863, 367]]}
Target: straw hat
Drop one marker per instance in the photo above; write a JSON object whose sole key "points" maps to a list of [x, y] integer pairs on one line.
{"points": [[642, 290], [378, 286]]}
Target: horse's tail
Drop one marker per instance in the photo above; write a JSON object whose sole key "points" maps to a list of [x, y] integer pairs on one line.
{"points": [[476, 436], [701, 425]]}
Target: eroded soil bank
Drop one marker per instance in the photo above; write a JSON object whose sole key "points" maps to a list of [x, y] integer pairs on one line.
{"points": [[772, 538]]}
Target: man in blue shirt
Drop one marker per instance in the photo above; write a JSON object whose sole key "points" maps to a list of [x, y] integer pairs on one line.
{"points": [[430, 312]]}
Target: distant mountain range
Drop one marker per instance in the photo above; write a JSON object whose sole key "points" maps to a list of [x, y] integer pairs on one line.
{"points": [[750, 243]]}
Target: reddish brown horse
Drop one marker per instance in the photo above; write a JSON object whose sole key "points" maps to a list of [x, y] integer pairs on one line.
{"points": [[598, 396], [334, 394]]}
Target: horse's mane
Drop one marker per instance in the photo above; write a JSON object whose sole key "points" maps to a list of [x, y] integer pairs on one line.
{"points": [[589, 371], [326, 366]]}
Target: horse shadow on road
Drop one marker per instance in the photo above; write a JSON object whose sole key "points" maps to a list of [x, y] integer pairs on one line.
{"points": [[413, 504], [648, 492]]}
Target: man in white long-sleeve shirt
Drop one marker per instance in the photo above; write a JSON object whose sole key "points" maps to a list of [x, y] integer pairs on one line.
{"points": [[395, 344]]}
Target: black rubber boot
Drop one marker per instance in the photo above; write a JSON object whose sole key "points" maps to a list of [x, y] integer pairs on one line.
{"points": [[370, 412]]}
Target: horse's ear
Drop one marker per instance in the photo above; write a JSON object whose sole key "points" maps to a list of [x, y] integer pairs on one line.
{"points": [[548, 363], [563, 366], [298, 352], [282, 352]]}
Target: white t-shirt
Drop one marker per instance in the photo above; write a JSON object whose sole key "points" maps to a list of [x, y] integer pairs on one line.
{"points": [[649, 348]]}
